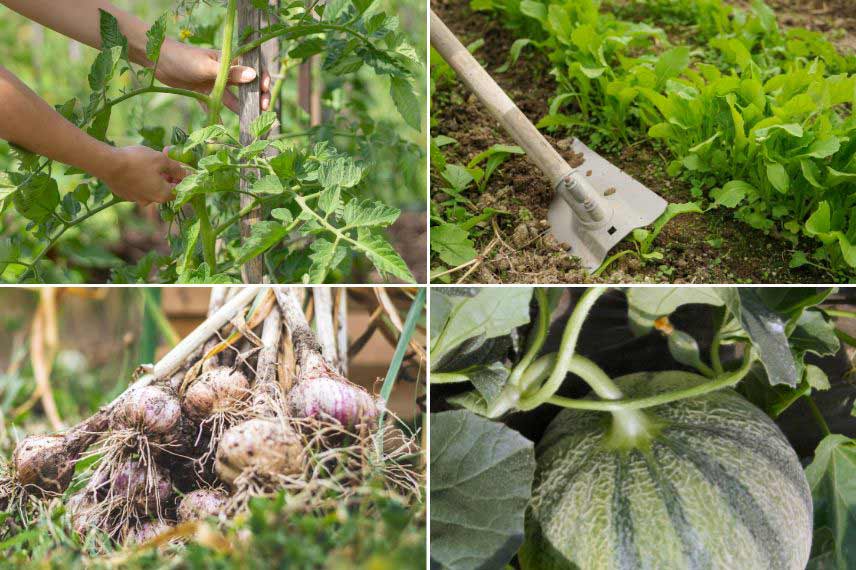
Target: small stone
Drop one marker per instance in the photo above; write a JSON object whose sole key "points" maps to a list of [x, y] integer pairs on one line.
{"points": [[521, 235], [551, 243]]}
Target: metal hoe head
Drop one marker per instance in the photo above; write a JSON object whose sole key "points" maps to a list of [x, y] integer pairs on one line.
{"points": [[628, 204]]}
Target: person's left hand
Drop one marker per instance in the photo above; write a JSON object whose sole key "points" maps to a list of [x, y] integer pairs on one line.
{"points": [[189, 67]]}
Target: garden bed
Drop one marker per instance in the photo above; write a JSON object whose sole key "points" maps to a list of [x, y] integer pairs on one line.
{"points": [[696, 248]]}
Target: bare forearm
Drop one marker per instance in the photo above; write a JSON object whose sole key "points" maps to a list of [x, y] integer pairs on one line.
{"points": [[31, 123], [79, 19]]}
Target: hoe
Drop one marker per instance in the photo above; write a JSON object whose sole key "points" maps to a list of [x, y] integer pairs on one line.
{"points": [[596, 204]]}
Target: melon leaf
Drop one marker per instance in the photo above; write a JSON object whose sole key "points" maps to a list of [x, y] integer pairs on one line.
{"points": [[491, 312], [766, 329], [831, 476], [814, 333], [647, 304], [481, 482], [472, 353]]}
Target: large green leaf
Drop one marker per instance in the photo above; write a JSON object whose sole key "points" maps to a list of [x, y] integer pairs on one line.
{"points": [[382, 255], [766, 329], [263, 236], [37, 199], [814, 333], [832, 477], [406, 101], [489, 380], [490, 313], [359, 213], [671, 64], [788, 300], [154, 39], [443, 300], [325, 257], [647, 304], [481, 482], [341, 171], [452, 244]]}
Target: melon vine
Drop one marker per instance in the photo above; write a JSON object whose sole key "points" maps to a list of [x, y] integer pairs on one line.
{"points": [[685, 417]]}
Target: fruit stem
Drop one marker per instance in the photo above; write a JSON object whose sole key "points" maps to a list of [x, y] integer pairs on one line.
{"points": [[631, 429], [566, 350]]}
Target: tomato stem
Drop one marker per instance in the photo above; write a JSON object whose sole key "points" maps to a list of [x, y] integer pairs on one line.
{"points": [[65, 227], [226, 56], [201, 97], [273, 32]]}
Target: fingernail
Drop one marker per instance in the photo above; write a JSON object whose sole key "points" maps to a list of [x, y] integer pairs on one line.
{"points": [[248, 74]]}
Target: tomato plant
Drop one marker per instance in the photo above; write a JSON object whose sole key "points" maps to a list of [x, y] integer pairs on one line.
{"points": [[312, 192]]}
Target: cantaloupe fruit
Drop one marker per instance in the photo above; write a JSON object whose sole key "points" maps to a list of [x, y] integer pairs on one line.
{"points": [[715, 486]]}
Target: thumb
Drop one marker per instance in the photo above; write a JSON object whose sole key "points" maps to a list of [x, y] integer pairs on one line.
{"points": [[173, 170], [241, 74]]}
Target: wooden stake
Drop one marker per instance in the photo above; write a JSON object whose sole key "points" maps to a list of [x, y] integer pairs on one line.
{"points": [[270, 64], [250, 108]]}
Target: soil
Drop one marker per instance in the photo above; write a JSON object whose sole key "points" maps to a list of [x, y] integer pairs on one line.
{"points": [[709, 248], [835, 18]]}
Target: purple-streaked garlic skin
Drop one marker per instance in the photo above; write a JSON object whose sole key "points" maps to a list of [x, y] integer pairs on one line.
{"points": [[326, 397], [152, 410], [130, 484], [146, 531], [43, 464], [201, 504], [83, 512], [218, 390], [266, 446]]}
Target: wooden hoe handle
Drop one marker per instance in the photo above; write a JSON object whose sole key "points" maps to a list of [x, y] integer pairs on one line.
{"points": [[554, 167]]}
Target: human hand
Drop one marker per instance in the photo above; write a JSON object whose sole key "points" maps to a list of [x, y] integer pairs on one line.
{"points": [[140, 174], [194, 68]]}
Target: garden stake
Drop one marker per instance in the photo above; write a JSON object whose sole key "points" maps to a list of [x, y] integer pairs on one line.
{"points": [[596, 203]]}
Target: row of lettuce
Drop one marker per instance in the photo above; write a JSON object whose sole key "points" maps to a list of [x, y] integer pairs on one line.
{"points": [[758, 118]]}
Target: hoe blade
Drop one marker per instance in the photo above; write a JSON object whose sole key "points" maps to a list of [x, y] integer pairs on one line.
{"points": [[633, 206]]}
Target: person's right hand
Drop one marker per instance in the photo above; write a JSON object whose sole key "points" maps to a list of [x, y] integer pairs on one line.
{"points": [[140, 174]]}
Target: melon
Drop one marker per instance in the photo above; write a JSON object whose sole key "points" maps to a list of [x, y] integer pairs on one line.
{"points": [[708, 482]]}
